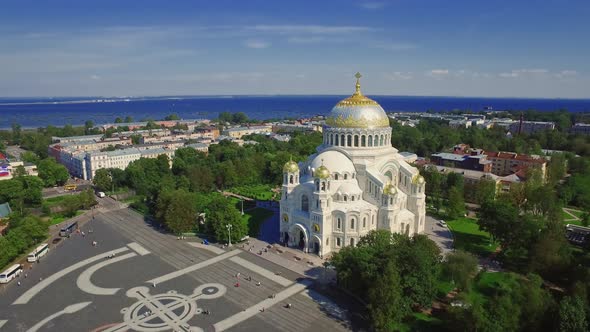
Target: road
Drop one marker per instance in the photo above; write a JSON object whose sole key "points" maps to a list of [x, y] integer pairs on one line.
{"points": [[442, 236], [155, 282]]}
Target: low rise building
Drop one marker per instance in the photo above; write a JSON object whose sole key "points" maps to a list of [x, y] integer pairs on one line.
{"points": [[238, 132], [580, 129]]}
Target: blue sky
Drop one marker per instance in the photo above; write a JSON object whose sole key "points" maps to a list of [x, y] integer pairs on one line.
{"points": [[402, 47]]}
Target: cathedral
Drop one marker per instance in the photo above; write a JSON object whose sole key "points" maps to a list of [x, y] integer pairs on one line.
{"points": [[355, 183]]}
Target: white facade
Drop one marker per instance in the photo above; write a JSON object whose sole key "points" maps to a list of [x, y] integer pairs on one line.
{"points": [[355, 183]]}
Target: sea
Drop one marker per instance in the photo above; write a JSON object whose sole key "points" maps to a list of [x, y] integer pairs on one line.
{"points": [[40, 112]]}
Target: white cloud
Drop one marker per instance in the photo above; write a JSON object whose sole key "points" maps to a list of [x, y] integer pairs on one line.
{"points": [[372, 5], [521, 72], [306, 40], [309, 29], [395, 46], [398, 75], [566, 73], [439, 72], [256, 44]]}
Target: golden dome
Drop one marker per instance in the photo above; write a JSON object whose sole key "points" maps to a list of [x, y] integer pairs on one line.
{"points": [[389, 189], [322, 172], [419, 179], [291, 167], [358, 111]]}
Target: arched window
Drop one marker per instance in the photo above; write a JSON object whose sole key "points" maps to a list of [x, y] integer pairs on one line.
{"points": [[291, 179], [370, 140], [345, 176], [349, 140], [352, 198], [352, 223], [345, 198], [363, 140], [356, 140], [317, 185], [338, 224], [336, 139], [331, 139], [336, 176], [323, 185], [352, 242], [342, 140], [365, 222], [316, 228], [381, 141], [353, 175], [304, 203], [373, 220]]}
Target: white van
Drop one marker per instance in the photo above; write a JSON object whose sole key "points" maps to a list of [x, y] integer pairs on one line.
{"points": [[101, 194]]}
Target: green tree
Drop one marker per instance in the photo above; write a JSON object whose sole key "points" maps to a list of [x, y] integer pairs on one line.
{"points": [[172, 116], [128, 119], [180, 215], [456, 204], [52, 173], [385, 300], [119, 120], [572, 315], [485, 191], [20, 171], [88, 125], [221, 213], [102, 179], [460, 267], [556, 168], [16, 133]]}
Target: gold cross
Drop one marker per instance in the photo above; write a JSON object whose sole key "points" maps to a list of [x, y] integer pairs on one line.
{"points": [[358, 75]]}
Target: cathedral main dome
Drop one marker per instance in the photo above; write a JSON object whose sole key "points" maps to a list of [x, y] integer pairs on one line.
{"points": [[357, 111]]}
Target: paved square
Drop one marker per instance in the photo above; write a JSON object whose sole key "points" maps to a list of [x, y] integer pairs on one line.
{"points": [[140, 279]]}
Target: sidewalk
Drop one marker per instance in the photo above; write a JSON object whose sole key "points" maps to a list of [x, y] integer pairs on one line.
{"points": [[307, 265]]}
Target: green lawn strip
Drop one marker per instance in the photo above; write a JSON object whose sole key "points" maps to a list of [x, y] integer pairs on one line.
{"points": [[470, 238], [260, 192], [567, 216], [489, 283], [58, 218], [255, 217]]}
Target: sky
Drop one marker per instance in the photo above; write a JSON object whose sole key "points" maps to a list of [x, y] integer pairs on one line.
{"points": [[492, 48]]}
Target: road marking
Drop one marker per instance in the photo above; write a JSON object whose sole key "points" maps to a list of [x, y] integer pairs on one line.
{"points": [[195, 267], [263, 272], [138, 248], [211, 248], [29, 294], [2, 322], [87, 286], [67, 310], [255, 309]]}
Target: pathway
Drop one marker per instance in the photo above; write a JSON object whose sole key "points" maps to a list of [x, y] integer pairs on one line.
{"points": [[571, 212]]}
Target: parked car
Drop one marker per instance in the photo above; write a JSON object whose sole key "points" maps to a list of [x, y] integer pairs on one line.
{"points": [[442, 223], [56, 240], [100, 194]]}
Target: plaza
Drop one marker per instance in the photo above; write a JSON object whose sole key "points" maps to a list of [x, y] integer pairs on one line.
{"points": [[154, 282]]}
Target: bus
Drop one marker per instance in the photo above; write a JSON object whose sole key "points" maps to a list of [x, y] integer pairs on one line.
{"points": [[38, 253], [70, 187], [11, 273], [66, 231]]}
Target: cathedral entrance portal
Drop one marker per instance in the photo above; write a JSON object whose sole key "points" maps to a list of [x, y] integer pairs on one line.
{"points": [[316, 245], [298, 237]]}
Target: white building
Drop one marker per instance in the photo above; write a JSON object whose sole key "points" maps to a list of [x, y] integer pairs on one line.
{"points": [[355, 183]]}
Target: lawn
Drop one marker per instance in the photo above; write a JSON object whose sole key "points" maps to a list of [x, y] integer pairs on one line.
{"points": [[255, 217], [58, 218], [470, 238], [260, 192], [489, 283]]}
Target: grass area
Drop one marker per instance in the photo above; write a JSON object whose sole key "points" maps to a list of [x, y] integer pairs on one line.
{"points": [[488, 283], [54, 201], [443, 288], [260, 192], [470, 238], [254, 218], [58, 218]]}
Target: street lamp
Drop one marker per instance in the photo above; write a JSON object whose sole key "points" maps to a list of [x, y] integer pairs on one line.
{"points": [[229, 226], [242, 200]]}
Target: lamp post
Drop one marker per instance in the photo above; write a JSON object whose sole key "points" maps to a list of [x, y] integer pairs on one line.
{"points": [[229, 226], [242, 200]]}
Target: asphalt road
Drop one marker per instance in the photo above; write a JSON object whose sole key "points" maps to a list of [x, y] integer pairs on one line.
{"points": [[107, 289], [442, 236]]}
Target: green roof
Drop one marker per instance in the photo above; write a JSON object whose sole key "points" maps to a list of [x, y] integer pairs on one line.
{"points": [[5, 210]]}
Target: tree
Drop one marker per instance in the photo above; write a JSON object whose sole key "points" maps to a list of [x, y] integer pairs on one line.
{"points": [[572, 315], [119, 120], [16, 133], [20, 171], [485, 191], [385, 300], [102, 179], [128, 119], [52, 173], [460, 267], [88, 125], [181, 214], [172, 116], [221, 213], [456, 205], [556, 169]]}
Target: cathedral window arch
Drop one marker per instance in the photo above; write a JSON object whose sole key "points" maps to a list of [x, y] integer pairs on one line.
{"points": [[381, 141], [331, 139], [336, 139], [345, 198], [345, 176], [338, 223], [291, 179], [352, 242], [323, 185], [364, 222], [317, 185], [304, 203], [356, 141], [352, 198], [349, 140], [373, 220], [336, 176], [363, 140], [342, 140], [370, 143], [352, 223]]}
